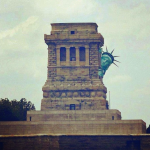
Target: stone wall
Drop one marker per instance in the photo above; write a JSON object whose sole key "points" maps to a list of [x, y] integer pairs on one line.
{"points": [[73, 80], [67, 115], [29, 142], [94, 60], [73, 71], [51, 60], [80, 103], [73, 127], [88, 94], [81, 142]]}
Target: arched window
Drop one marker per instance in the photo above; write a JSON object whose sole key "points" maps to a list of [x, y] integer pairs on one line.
{"points": [[72, 54], [82, 53], [62, 54]]}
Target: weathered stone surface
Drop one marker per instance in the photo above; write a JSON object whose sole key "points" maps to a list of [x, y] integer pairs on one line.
{"points": [[73, 126], [75, 142], [78, 79]]}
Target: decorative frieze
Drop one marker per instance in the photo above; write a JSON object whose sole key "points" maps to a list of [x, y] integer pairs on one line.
{"points": [[79, 94], [69, 94], [74, 85], [75, 94]]}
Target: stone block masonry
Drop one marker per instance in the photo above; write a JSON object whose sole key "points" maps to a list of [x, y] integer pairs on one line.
{"points": [[73, 127], [73, 115], [78, 142], [73, 71]]}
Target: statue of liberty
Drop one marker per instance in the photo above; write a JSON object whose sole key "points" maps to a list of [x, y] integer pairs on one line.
{"points": [[106, 60]]}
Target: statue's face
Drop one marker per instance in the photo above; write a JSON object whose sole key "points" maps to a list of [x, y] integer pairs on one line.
{"points": [[106, 61]]}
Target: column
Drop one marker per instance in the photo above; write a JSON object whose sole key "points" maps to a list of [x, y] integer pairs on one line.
{"points": [[77, 56], [58, 55], [87, 55], [67, 56]]}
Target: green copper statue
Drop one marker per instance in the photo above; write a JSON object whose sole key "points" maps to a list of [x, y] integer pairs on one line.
{"points": [[106, 60]]}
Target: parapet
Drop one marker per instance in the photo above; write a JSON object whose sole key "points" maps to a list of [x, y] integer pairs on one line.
{"points": [[75, 31], [74, 28]]}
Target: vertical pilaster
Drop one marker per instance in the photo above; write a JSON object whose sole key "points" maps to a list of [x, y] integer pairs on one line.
{"points": [[87, 55], [93, 60], [67, 56], [52, 60], [58, 55], [77, 56]]}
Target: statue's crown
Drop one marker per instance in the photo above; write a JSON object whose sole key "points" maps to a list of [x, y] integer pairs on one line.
{"points": [[109, 54]]}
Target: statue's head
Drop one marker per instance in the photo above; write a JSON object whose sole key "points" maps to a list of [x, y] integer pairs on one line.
{"points": [[106, 60]]}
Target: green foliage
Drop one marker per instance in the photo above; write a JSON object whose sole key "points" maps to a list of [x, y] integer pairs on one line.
{"points": [[14, 110], [148, 130]]}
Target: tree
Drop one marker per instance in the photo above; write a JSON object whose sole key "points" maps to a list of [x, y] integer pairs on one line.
{"points": [[148, 130], [14, 110]]}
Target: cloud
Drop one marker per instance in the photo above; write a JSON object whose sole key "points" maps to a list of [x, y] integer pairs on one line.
{"points": [[141, 92], [127, 26], [119, 79], [18, 39], [22, 27], [66, 8], [21, 49]]}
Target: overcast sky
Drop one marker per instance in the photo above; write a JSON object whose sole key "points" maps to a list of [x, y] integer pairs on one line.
{"points": [[125, 26]]}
